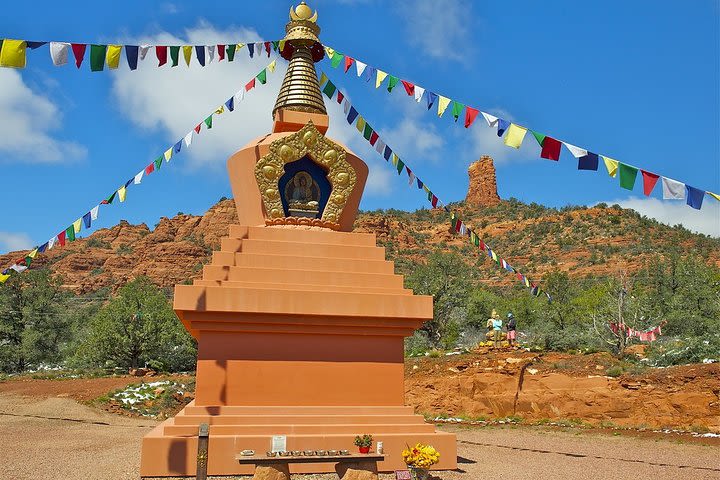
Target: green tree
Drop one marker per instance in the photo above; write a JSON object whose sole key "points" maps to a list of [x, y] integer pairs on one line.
{"points": [[447, 278], [138, 327], [34, 325]]}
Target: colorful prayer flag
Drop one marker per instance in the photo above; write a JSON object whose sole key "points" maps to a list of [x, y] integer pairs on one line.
{"points": [[262, 76], [695, 197], [161, 54], [59, 52], [515, 136], [470, 115], [611, 165], [502, 126], [79, 53], [672, 189], [380, 77], [187, 53], [409, 88], [113, 56], [649, 181], [443, 103], [551, 149], [627, 176], [392, 82], [131, 54], [175, 55], [576, 151], [13, 53], [588, 162], [457, 109], [348, 63], [97, 57]]}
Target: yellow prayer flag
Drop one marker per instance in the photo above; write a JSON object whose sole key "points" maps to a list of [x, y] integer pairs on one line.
{"points": [[33, 254], [611, 165], [281, 45], [494, 256], [380, 77], [714, 195], [515, 136], [220, 110], [425, 187], [3, 278], [443, 103], [239, 46], [113, 56], [187, 53], [77, 225], [395, 159], [12, 53], [122, 191], [360, 125], [271, 66], [168, 154], [323, 79], [329, 51], [527, 282]]}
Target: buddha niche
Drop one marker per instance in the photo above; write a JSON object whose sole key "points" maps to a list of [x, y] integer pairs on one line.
{"points": [[302, 194]]}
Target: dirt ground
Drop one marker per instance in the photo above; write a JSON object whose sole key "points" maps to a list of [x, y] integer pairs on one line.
{"points": [[577, 388], [57, 438]]}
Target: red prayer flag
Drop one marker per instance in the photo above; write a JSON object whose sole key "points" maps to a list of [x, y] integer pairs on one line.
{"points": [[221, 52], [348, 63], [250, 85], [470, 114], [409, 87], [373, 137], [79, 52], [551, 149], [61, 238], [268, 47], [340, 96], [482, 245], [457, 225], [150, 168], [198, 127], [434, 201], [649, 181], [161, 54]]}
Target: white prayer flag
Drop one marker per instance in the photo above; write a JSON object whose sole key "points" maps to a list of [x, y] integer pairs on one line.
{"points": [[411, 178], [188, 138], [346, 106], [240, 95], [59, 53], [360, 67], [576, 151], [419, 93], [672, 189], [210, 52], [94, 212], [379, 146], [51, 242], [19, 268], [143, 51], [138, 177], [490, 119]]}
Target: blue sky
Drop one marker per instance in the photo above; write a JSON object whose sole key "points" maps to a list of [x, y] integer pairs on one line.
{"points": [[637, 81]]}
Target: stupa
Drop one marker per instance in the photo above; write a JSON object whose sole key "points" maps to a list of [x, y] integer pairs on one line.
{"points": [[299, 321]]}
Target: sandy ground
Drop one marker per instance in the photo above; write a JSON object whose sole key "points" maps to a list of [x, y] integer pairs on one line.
{"points": [[57, 438]]}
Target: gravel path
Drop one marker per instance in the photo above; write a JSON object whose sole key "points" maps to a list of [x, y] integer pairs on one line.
{"points": [[82, 443]]}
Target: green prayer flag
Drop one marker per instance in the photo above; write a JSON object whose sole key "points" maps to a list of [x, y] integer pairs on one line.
{"points": [[97, 57], [453, 220], [262, 76], [627, 176], [336, 59], [70, 233], [392, 81], [175, 55], [400, 166], [28, 259], [476, 241], [276, 44], [230, 52], [430, 195], [329, 89], [367, 131], [457, 109], [109, 199], [158, 164], [539, 137], [208, 122]]}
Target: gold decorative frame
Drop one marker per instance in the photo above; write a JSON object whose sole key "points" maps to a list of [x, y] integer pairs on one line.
{"points": [[306, 141]]}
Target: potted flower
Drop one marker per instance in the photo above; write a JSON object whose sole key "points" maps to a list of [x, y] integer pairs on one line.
{"points": [[419, 459], [364, 442]]}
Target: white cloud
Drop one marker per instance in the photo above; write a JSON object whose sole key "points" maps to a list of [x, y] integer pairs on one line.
{"points": [[673, 212], [15, 241], [438, 27], [174, 99], [413, 137], [26, 121]]}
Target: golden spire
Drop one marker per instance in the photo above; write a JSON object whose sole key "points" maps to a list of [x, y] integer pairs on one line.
{"points": [[300, 90]]}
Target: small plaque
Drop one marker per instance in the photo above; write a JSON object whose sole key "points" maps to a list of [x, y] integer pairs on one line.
{"points": [[279, 443], [402, 475]]}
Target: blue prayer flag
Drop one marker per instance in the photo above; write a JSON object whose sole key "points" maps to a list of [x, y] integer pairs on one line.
{"points": [[370, 73], [230, 104], [588, 162], [694, 196], [251, 49], [352, 115], [131, 53], [178, 146], [502, 126], [34, 45], [87, 220], [200, 53], [419, 183], [43, 247], [430, 97], [387, 152]]}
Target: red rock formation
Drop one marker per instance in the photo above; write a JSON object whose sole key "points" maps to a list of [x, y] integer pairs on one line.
{"points": [[482, 190]]}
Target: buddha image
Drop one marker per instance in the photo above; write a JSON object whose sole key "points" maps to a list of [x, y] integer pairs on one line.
{"points": [[302, 194]]}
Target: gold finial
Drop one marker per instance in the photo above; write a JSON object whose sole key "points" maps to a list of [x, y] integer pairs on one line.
{"points": [[303, 12], [300, 90]]}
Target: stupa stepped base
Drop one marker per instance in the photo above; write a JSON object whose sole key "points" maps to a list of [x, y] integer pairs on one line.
{"points": [[236, 428]]}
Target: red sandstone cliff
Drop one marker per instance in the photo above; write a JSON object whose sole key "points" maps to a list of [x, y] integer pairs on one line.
{"points": [[483, 184]]}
